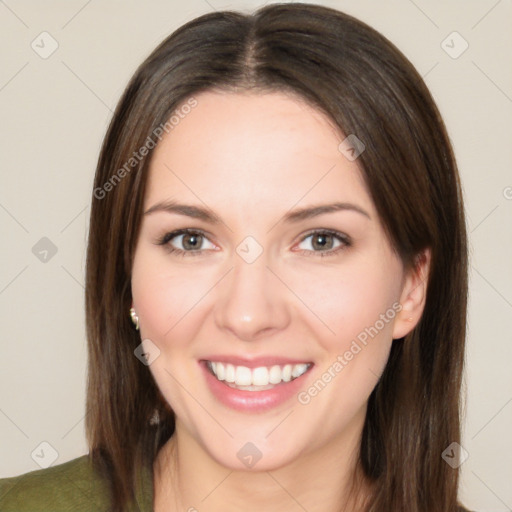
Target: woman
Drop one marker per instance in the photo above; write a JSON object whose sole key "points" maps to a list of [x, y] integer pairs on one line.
{"points": [[309, 355]]}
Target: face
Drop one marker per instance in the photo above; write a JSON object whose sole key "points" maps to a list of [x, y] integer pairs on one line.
{"points": [[296, 305]]}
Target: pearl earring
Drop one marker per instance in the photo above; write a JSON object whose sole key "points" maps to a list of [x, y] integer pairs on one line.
{"points": [[135, 318]]}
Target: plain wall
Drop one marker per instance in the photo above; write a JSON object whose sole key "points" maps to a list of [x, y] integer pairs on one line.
{"points": [[54, 113]]}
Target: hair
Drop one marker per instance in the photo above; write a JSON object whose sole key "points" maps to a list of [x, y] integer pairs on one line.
{"points": [[367, 87]]}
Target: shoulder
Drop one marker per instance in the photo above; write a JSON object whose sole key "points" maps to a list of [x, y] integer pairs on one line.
{"points": [[69, 486]]}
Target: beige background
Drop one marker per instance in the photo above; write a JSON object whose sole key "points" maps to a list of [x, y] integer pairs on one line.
{"points": [[54, 113]]}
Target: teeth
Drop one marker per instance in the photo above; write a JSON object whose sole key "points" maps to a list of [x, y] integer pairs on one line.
{"points": [[230, 372], [298, 370], [260, 376], [220, 371], [243, 376], [275, 375]]}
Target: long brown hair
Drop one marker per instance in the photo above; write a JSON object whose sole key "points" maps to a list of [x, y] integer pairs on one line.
{"points": [[367, 87]]}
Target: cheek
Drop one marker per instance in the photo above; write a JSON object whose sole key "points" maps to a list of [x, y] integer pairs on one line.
{"points": [[357, 313], [349, 303], [163, 295], [164, 298]]}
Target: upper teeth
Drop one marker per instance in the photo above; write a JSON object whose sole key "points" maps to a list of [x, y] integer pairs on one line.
{"points": [[260, 376]]}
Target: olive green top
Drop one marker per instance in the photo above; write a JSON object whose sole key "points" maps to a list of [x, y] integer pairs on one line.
{"points": [[71, 486]]}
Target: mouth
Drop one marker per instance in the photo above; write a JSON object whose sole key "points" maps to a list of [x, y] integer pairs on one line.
{"points": [[259, 378]]}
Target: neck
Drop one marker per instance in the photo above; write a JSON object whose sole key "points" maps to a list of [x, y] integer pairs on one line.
{"points": [[188, 479]]}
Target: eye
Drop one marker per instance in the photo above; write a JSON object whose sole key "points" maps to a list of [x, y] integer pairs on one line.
{"points": [[324, 242], [191, 241]]}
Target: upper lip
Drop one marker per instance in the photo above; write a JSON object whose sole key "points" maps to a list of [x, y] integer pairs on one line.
{"points": [[255, 362]]}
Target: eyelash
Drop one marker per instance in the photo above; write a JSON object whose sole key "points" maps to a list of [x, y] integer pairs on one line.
{"points": [[344, 239]]}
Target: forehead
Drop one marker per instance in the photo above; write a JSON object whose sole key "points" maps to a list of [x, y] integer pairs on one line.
{"points": [[245, 149]]}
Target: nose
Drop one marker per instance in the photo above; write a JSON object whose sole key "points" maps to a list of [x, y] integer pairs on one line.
{"points": [[252, 302]]}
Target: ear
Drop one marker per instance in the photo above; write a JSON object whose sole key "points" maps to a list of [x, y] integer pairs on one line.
{"points": [[413, 296]]}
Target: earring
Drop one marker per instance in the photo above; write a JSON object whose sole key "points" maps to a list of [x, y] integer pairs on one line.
{"points": [[155, 419], [135, 318], [409, 319]]}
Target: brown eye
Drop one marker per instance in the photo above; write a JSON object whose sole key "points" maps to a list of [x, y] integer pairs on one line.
{"points": [[324, 242], [190, 241], [185, 241]]}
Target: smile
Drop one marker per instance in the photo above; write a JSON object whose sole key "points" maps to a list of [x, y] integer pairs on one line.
{"points": [[256, 379]]}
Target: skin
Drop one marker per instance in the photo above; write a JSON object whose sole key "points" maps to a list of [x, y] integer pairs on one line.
{"points": [[251, 158]]}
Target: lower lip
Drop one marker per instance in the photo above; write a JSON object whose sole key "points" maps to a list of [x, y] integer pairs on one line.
{"points": [[252, 401]]}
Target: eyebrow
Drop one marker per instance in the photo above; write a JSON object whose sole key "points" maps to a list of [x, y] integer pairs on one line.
{"points": [[206, 215]]}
